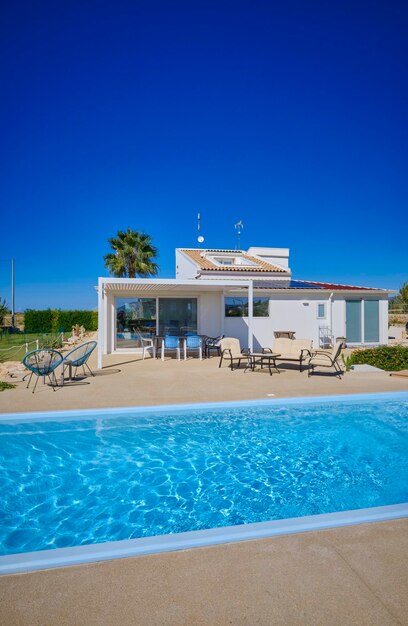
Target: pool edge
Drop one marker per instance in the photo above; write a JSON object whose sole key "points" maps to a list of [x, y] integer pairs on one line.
{"points": [[78, 555], [66, 414]]}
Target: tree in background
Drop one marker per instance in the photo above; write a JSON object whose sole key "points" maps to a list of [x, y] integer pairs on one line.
{"points": [[3, 310], [400, 302], [133, 255], [402, 296]]}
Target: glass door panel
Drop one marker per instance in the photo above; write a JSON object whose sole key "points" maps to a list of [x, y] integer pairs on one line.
{"points": [[134, 317], [177, 316], [353, 321], [371, 321]]}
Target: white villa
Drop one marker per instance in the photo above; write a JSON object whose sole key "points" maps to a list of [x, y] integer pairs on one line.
{"points": [[244, 294]]}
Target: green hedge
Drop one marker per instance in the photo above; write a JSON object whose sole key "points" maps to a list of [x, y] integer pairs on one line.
{"points": [[388, 358], [55, 320]]}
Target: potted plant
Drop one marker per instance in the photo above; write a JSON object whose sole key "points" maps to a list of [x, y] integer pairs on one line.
{"points": [[343, 340]]}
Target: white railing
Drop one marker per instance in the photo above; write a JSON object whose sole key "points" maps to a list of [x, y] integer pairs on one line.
{"points": [[15, 349]]}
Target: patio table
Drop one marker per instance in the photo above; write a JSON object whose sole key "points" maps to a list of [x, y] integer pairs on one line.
{"points": [[288, 334], [259, 358]]}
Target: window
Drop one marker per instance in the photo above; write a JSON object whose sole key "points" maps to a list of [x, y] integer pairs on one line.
{"points": [[261, 307], [238, 307], [321, 310]]}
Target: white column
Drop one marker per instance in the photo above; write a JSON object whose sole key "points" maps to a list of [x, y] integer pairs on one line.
{"points": [[222, 311], [113, 324], [250, 315], [101, 323], [106, 322]]}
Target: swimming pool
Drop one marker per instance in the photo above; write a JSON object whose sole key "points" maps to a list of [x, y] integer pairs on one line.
{"points": [[74, 479]]}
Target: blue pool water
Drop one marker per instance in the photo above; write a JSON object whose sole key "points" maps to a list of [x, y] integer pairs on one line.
{"points": [[127, 474]]}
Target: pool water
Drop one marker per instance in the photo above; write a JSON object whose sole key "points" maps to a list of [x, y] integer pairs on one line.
{"points": [[69, 481]]}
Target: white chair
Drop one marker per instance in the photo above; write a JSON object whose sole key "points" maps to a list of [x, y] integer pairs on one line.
{"points": [[148, 344]]}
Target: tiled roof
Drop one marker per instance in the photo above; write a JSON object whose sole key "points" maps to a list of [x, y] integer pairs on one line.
{"points": [[198, 256]]}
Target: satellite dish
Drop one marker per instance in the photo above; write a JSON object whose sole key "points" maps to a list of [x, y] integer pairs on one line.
{"points": [[200, 239]]}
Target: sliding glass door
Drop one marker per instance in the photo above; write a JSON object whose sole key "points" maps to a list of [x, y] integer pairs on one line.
{"points": [[363, 321], [134, 317], [177, 316], [371, 321], [353, 321]]}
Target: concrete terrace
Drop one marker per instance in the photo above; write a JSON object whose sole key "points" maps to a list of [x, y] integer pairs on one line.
{"points": [[356, 575], [126, 380]]}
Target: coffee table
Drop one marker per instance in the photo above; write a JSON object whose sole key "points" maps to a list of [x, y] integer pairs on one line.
{"points": [[259, 358]]}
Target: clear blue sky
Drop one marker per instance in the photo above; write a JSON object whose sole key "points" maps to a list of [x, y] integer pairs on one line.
{"points": [[291, 116]]}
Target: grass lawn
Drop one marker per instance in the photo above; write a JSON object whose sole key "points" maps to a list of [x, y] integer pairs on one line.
{"points": [[13, 346]]}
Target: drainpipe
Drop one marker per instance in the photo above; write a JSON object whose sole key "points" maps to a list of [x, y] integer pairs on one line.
{"points": [[331, 316]]}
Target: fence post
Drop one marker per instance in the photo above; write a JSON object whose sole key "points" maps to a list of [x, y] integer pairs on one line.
{"points": [[26, 347], [37, 343]]}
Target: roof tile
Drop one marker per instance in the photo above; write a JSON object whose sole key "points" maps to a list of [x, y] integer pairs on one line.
{"points": [[207, 265]]}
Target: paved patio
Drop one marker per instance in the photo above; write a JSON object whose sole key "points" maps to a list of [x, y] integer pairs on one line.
{"points": [[347, 576], [126, 380], [354, 576]]}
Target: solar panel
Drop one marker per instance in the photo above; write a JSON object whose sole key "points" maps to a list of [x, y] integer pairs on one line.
{"points": [[284, 284]]}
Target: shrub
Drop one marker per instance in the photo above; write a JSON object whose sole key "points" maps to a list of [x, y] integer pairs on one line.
{"points": [[38, 321], [4, 386], [53, 341], [55, 320], [388, 358]]}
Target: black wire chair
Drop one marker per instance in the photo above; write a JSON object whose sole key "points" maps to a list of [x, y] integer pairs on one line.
{"points": [[43, 362], [212, 343]]}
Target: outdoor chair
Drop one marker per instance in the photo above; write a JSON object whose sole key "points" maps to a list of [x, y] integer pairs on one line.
{"points": [[148, 344], [43, 362], [78, 357], [170, 343], [193, 342], [231, 349], [321, 358], [212, 343]]}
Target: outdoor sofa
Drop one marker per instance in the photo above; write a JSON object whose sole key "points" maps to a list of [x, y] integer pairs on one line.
{"points": [[297, 350]]}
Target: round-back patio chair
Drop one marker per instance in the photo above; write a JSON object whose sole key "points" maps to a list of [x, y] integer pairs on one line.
{"points": [[78, 357], [43, 362]]}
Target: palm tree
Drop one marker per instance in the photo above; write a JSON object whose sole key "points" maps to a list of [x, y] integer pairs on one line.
{"points": [[133, 255]]}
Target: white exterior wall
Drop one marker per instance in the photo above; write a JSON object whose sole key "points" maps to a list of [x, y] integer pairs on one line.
{"points": [[210, 314], [276, 256], [293, 312], [384, 320], [185, 268]]}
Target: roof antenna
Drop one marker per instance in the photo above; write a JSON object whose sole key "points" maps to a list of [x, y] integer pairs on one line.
{"points": [[239, 227], [200, 238]]}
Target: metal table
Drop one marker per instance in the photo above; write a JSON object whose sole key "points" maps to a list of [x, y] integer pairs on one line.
{"points": [[259, 358]]}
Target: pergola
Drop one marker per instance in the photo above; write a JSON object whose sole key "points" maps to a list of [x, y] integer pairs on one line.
{"points": [[111, 288]]}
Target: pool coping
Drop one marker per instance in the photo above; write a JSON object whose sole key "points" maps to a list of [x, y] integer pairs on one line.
{"points": [[62, 557], [77, 555], [172, 408]]}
